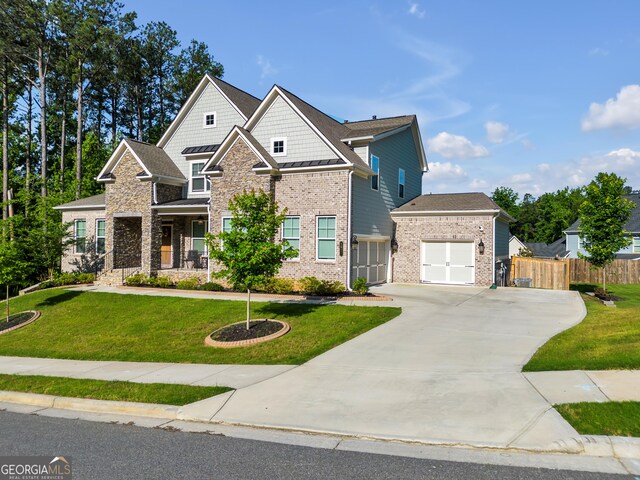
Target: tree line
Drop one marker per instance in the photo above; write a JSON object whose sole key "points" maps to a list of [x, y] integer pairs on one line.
{"points": [[75, 77], [543, 218]]}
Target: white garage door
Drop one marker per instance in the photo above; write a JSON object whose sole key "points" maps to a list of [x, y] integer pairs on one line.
{"points": [[447, 262], [369, 260]]}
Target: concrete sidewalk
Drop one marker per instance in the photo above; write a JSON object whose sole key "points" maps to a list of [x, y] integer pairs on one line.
{"points": [[234, 376]]}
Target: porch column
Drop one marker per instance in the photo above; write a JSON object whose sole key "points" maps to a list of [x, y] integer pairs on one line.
{"points": [[151, 242]]}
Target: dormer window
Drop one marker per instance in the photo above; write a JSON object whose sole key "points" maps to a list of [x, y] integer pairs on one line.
{"points": [[279, 147], [209, 120], [198, 183]]}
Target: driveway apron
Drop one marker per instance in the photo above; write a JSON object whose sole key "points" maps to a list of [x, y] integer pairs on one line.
{"points": [[447, 370]]}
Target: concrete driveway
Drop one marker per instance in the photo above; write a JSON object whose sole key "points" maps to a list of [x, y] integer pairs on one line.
{"points": [[447, 370]]}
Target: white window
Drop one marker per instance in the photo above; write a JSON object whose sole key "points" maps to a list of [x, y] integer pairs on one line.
{"points": [[375, 166], [580, 242], [198, 229], [101, 236], [326, 238], [291, 233], [209, 120], [80, 235], [198, 183], [400, 183], [226, 227], [279, 146], [636, 244]]}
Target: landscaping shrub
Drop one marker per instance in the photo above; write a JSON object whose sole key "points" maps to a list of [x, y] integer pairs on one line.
{"points": [[360, 286], [190, 283], [278, 286], [137, 280], [160, 282], [315, 286], [71, 279], [212, 287]]}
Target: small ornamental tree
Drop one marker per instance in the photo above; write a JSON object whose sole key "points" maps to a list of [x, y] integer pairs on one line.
{"points": [[248, 252], [603, 215], [13, 269]]}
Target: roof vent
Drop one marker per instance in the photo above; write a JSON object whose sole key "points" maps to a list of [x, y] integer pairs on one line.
{"points": [[374, 117], [413, 203], [346, 121]]}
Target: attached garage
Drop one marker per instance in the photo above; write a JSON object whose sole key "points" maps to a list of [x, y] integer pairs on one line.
{"points": [[447, 262], [454, 238], [370, 260]]}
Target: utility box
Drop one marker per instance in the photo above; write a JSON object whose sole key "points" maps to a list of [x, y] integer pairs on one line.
{"points": [[522, 282]]}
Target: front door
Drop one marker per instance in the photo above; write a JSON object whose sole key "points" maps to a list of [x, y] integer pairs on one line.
{"points": [[166, 257]]}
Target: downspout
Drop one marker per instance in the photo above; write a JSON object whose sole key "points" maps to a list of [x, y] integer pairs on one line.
{"points": [[155, 193], [349, 231], [493, 254], [209, 230]]}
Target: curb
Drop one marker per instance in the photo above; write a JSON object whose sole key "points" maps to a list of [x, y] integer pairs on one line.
{"points": [[600, 446], [155, 410]]}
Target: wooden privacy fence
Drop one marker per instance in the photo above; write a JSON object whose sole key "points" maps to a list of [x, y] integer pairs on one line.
{"points": [[543, 272], [619, 271]]}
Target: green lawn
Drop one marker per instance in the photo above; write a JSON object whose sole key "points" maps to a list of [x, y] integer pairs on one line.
{"points": [[610, 418], [607, 339], [106, 326], [164, 393]]}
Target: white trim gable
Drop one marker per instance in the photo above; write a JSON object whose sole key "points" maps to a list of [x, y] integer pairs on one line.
{"points": [[188, 105], [232, 138], [115, 158], [266, 104]]}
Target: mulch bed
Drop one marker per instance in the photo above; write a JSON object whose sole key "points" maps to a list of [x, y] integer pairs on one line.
{"points": [[609, 298], [238, 331], [14, 320]]}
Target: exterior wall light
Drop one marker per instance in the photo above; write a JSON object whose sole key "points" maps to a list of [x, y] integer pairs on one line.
{"points": [[481, 247], [394, 246], [354, 240]]}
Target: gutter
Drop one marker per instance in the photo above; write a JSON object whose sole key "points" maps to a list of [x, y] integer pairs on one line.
{"points": [[348, 245]]}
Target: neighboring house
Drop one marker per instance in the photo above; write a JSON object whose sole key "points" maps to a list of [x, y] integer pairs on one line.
{"points": [[632, 252], [515, 246], [341, 183], [557, 249]]}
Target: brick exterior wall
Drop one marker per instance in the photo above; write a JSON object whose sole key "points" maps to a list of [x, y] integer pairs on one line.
{"points": [[70, 257], [307, 195], [410, 232]]}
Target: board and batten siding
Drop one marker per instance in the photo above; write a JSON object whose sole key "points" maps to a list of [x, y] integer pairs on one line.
{"points": [[395, 152], [303, 144], [191, 133], [502, 240]]}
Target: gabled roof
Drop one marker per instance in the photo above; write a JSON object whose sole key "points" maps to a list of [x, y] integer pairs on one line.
{"points": [[376, 126], [244, 103], [88, 203], [213, 164], [633, 223], [154, 162], [450, 202], [550, 250]]}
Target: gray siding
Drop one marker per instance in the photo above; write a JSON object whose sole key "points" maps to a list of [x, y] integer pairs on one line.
{"points": [[398, 151], [502, 240], [370, 214], [191, 132], [572, 246], [303, 143]]}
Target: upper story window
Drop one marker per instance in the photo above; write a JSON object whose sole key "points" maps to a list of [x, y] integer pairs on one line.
{"points": [[401, 183], [375, 166], [198, 183], [209, 120], [80, 235], [101, 236], [279, 146], [636, 244], [291, 233]]}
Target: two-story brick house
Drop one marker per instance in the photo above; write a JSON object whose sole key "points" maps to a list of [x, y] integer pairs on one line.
{"points": [[339, 181]]}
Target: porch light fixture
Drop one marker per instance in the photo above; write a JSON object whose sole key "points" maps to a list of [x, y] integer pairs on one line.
{"points": [[200, 219], [481, 247], [354, 240], [394, 245]]}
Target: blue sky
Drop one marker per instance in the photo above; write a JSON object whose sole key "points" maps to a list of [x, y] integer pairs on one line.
{"points": [[531, 95]]}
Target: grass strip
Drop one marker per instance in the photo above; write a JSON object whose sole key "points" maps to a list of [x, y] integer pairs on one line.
{"points": [[164, 393], [610, 418]]}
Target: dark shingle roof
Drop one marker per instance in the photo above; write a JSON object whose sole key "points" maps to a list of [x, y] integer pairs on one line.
{"points": [[331, 129], [200, 149], [365, 128], [246, 102], [155, 159], [551, 250], [256, 144], [185, 202], [97, 201], [632, 225], [312, 163], [449, 202]]}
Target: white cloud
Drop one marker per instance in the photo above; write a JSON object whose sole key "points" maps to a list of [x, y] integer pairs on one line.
{"points": [[543, 167], [478, 184], [496, 132], [528, 144], [415, 10], [266, 69], [520, 178], [621, 112], [598, 52], [446, 171], [455, 146]]}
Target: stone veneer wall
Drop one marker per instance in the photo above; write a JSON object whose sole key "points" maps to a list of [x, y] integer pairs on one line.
{"points": [[90, 216], [307, 195], [410, 232], [310, 195]]}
